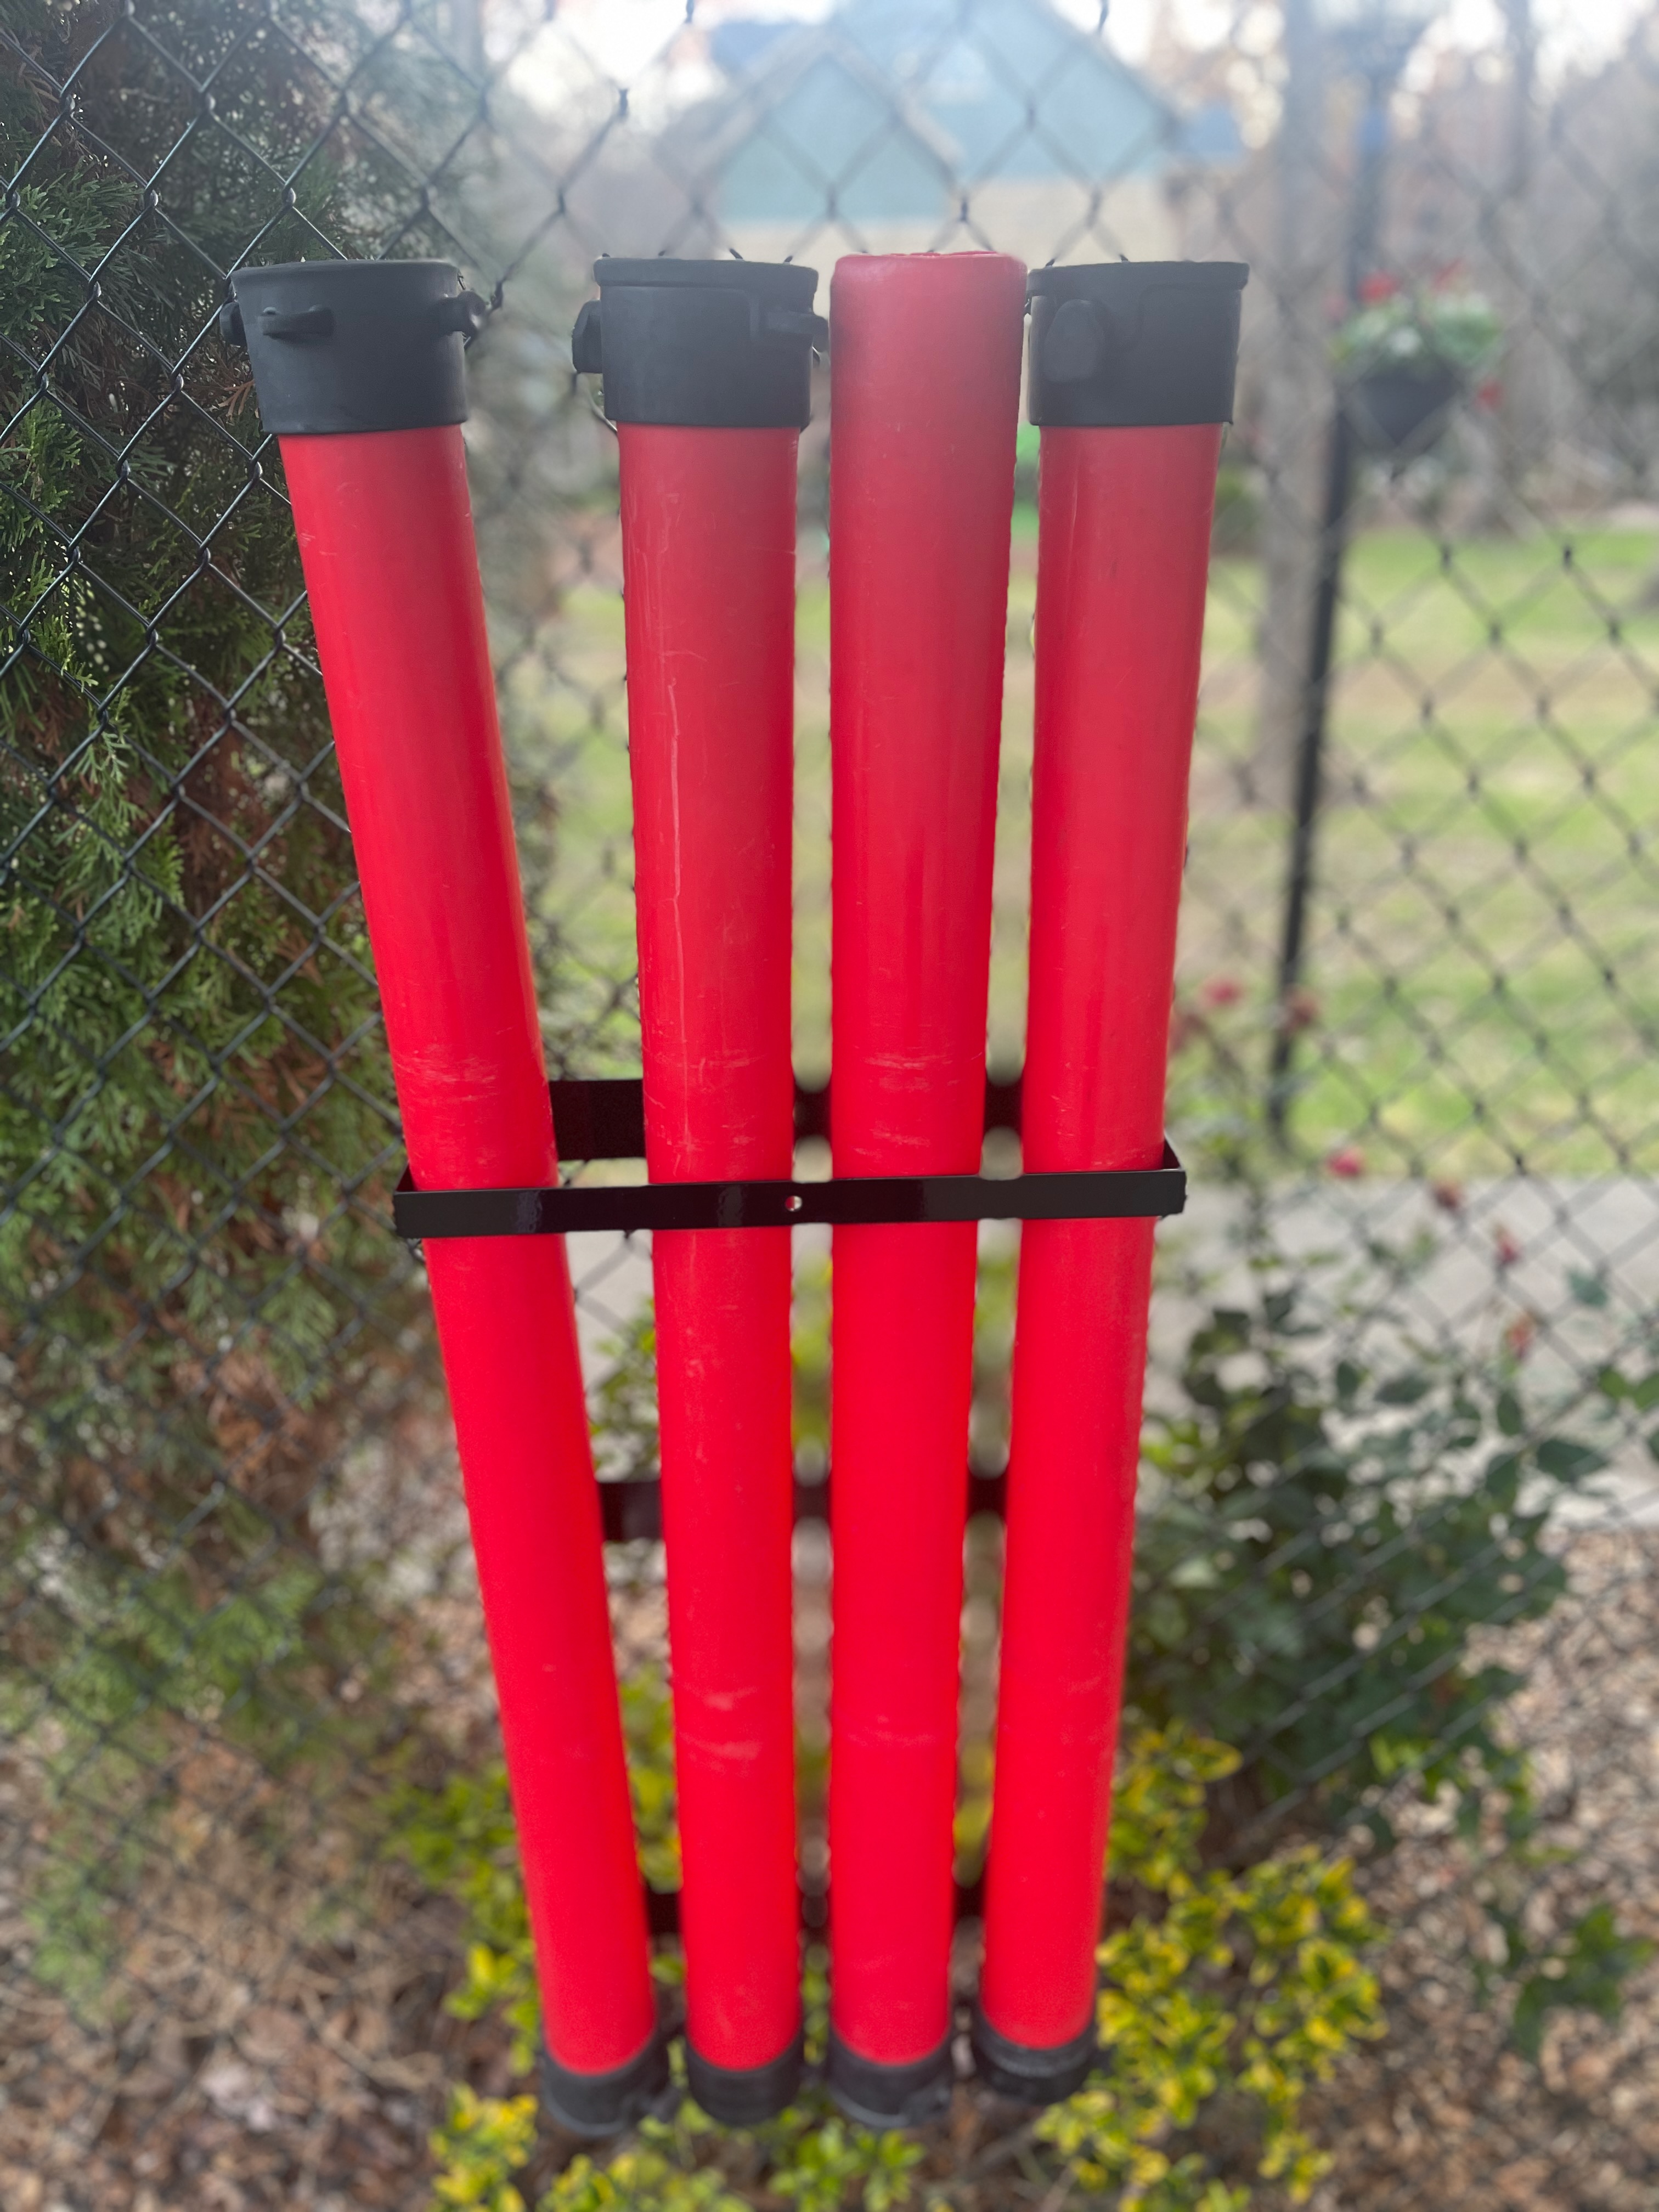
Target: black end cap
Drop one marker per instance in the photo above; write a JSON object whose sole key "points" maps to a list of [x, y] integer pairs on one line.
{"points": [[720, 345], [595, 2105], [879, 2096], [1032, 2077], [339, 346], [742, 2097], [1134, 344]]}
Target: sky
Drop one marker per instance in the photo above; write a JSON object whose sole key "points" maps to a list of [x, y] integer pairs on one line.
{"points": [[623, 39]]}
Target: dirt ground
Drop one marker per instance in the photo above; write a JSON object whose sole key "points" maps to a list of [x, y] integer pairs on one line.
{"points": [[1442, 2113]]}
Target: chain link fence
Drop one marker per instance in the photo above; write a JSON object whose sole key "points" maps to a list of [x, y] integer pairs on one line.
{"points": [[1397, 1531]]}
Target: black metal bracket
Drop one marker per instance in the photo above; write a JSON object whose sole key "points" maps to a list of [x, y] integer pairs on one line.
{"points": [[596, 1121], [631, 1506], [603, 1117], [662, 1907]]}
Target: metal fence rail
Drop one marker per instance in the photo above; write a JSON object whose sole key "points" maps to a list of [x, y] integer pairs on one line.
{"points": [[1415, 1067]]}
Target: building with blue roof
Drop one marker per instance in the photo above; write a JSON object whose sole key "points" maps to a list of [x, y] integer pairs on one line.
{"points": [[900, 125]]}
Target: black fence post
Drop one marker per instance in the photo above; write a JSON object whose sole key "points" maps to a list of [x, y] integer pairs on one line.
{"points": [[1381, 56]]}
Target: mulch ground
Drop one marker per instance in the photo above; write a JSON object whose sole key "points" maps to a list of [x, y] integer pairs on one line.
{"points": [[1444, 2114]]}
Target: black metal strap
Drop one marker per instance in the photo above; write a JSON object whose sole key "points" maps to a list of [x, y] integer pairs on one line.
{"points": [[631, 1506], [603, 1117], [598, 1116], [1118, 1195], [662, 1907]]}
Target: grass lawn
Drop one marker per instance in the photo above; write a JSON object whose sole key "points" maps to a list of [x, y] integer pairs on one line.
{"points": [[1486, 923], [1485, 927]]}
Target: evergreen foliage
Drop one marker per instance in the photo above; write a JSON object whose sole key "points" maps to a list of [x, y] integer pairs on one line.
{"points": [[201, 1305], [194, 1103]]}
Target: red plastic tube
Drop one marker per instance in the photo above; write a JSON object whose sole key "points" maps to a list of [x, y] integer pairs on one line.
{"points": [[925, 369], [1123, 556], [708, 555], [386, 533]]}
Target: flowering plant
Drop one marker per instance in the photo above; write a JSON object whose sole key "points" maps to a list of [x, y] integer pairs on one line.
{"points": [[1417, 330]]}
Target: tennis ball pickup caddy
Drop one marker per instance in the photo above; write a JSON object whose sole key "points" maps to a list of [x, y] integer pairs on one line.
{"points": [[705, 371]]}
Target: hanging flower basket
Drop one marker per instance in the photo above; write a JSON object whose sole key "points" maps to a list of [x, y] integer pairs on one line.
{"points": [[1404, 358], [1401, 411]]}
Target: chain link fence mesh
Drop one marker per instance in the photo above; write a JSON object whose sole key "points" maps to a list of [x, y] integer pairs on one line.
{"points": [[234, 1564]]}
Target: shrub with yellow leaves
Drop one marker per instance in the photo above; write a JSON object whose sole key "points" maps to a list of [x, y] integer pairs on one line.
{"points": [[1223, 1998], [1231, 1993]]}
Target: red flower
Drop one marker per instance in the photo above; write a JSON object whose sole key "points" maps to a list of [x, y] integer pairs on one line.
{"points": [[1299, 1011], [1518, 1336], [1504, 1249], [1489, 395], [1222, 990], [1379, 285], [1349, 1164], [1447, 1195]]}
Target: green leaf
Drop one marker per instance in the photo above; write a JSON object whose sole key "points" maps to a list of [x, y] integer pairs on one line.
{"points": [[1566, 1461], [1408, 1390], [1587, 1971]]}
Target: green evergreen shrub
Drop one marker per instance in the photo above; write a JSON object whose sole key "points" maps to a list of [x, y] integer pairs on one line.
{"points": [[201, 1307]]}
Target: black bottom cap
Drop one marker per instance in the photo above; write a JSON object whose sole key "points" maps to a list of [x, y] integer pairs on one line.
{"points": [[879, 2096], [605, 2104], [1031, 2076], [743, 2096]]}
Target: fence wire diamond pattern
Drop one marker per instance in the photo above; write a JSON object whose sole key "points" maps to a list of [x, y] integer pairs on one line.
{"points": [[238, 1615]]}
